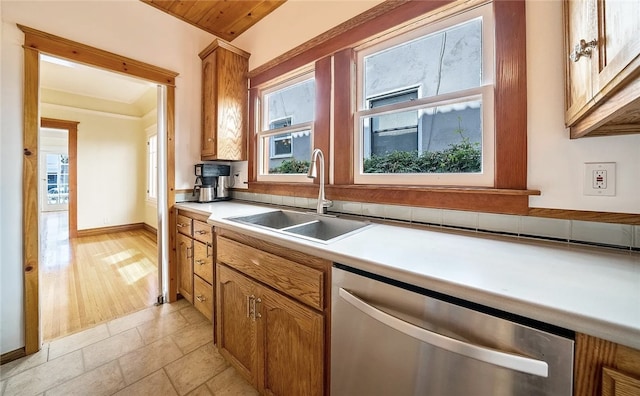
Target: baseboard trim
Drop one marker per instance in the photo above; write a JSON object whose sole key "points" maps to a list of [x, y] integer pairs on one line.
{"points": [[108, 230], [13, 355], [149, 228]]}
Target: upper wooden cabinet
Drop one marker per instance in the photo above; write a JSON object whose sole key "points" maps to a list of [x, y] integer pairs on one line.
{"points": [[224, 102], [602, 42]]}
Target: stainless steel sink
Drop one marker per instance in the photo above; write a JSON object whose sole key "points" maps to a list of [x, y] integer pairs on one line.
{"points": [[312, 226]]}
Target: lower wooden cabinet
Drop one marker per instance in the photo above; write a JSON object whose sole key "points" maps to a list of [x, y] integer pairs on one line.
{"points": [[185, 266], [203, 297], [195, 253], [278, 341], [604, 368]]}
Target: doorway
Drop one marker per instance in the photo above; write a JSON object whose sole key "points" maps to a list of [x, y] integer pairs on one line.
{"points": [[54, 186], [37, 42]]}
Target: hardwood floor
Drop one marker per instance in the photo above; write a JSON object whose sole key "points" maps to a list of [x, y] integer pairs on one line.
{"points": [[89, 280]]}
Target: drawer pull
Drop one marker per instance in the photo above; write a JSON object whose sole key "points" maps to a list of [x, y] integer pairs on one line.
{"points": [[202, 232], [249, 299], [201, 262], [180, 225], [201, 298], [256, 308]]}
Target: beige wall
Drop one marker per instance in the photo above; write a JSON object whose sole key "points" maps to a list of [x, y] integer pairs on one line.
{"points": [[111, 166]]}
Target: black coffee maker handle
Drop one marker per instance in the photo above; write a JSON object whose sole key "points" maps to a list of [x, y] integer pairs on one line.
{"points": [[196, 188]]}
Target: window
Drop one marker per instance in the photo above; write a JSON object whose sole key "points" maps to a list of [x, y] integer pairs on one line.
{"points": [[425, 105], [281, 145], [286, 128], [353, 114], [152, 168]]}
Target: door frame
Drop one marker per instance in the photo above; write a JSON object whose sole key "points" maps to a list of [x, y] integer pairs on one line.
{"points": [[72, 151], [36, 42]]}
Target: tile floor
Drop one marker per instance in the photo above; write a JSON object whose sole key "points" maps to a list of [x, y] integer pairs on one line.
{"points": [[165, 350]]}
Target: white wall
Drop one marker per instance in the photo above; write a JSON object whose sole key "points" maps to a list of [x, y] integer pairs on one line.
{"points": [[130, 28]]}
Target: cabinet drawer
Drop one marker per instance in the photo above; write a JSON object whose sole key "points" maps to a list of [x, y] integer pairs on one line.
{"points": [[296, 280], [184, 224], [203, 261], [202, 231], [203, 297]]}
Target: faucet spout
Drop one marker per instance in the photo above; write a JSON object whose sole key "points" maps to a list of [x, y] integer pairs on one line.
{"points": [[323, 203]]}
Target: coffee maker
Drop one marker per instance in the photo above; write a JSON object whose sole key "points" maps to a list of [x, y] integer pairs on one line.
{"points": [[212, 182]]}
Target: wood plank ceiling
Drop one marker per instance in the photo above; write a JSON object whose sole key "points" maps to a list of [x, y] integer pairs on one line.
{"points": [[226, 19]]}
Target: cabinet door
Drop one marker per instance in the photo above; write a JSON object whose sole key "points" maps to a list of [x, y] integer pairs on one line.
{"points": [[209, 106], [292, 344], [618, 43], [580, 24], [237, 337], [185, 266], [232, 110]]}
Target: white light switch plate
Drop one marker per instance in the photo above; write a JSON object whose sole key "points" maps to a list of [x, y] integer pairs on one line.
{"points": [[600, 178]]}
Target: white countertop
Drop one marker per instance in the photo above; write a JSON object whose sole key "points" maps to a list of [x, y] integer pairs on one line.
{"points": [[595, 291]]}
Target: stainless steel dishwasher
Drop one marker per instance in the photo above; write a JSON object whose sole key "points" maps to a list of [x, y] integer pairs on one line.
{"points": [[393, 339]]}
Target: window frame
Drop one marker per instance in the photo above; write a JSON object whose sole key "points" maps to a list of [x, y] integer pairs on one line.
{"points": [[509, 195], [484, 92], [262, 123]]}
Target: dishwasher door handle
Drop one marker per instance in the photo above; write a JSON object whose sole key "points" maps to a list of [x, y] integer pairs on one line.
{"points": [[484, 354]]}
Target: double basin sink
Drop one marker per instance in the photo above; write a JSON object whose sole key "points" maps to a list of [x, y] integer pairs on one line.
{"points": [[311, 226]]}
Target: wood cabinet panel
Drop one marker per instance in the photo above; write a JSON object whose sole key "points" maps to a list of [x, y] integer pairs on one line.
{"points": [[236, 331], [224, 102], [293, 341], [602, 367], [202, 231], [296, 280], [185, 266], [184, 224], [203, 297], [209, 102], [615, 383]]}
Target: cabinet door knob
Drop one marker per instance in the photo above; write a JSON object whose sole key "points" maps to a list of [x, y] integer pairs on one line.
{"points": [[201, 298], [583, 48], [201, 262]]}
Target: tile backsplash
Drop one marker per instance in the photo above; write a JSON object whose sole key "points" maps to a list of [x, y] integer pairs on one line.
{"points": [[621, 236]]}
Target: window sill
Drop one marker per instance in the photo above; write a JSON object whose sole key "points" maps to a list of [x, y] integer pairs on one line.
{"points": [[489, 200]]}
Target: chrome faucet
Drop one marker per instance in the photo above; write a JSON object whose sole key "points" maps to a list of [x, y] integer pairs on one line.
{"points": [[323, 203]]}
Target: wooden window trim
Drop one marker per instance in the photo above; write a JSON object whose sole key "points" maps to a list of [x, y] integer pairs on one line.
{"points": [[509, 195]]}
